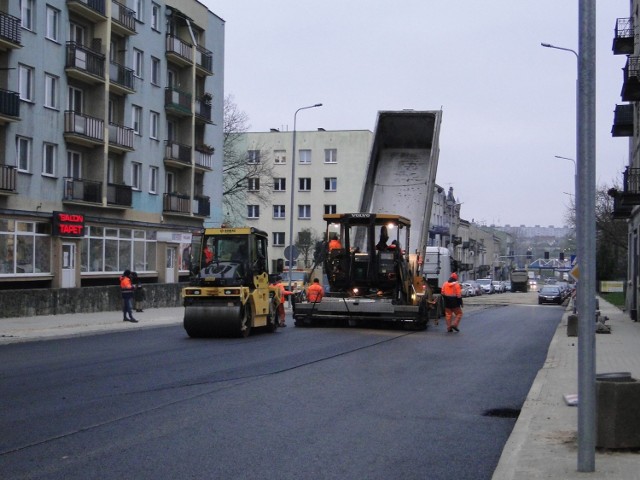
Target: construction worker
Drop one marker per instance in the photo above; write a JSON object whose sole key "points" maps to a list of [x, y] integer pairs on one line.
{"points": [[283, 294], [452, 296], [334, 243], [315, 292], [126, 289]]}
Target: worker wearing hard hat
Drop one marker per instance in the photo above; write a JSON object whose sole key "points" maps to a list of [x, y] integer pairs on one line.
{"points": [[452, 296]]}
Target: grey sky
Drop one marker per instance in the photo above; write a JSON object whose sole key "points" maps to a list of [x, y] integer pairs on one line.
{"points": [[508, 103]]}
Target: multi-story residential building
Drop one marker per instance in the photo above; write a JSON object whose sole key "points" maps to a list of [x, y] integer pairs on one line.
{"points": [[330, 167], [110, 138]]}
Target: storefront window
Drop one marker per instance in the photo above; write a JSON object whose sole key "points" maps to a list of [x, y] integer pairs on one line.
{"points": [[25, 247], [116, 250]]}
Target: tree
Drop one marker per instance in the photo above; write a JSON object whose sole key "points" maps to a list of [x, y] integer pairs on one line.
{"points": [[237, 171], [306, 242]]}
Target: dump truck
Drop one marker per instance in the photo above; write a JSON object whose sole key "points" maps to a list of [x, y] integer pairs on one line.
{"points": [[365, 282], [519, 281], [229, 292]]}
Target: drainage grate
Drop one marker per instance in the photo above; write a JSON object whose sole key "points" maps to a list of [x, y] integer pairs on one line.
{"points": [[502, 413]]}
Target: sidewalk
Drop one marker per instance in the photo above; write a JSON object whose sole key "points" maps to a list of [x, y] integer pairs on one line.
{"points": [[543, 444]]}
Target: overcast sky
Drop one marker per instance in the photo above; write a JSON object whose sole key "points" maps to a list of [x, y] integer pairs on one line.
{"points": [[508, 103]]}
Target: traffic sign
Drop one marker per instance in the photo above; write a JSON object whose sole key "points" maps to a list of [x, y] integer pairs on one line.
{"points": [[291, 251]]}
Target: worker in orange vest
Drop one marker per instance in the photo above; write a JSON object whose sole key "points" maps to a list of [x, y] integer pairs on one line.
{"points": [[315, 292], [283, 294], [452, 296], [334, 243], [127, 289]]}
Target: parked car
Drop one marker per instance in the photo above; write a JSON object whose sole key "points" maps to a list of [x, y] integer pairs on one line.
{"points": [[468, 290], [476, 286], [507, 286], [498, 286], [486, 285], [550, 294]]}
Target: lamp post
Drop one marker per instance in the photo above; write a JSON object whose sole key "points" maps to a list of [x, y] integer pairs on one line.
{"points": [[293, 179], [575, 171], [586, 234]]}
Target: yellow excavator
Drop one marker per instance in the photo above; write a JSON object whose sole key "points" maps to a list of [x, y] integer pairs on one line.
{"points": [[229, 292]]}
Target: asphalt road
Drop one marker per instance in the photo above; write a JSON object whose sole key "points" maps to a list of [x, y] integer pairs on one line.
{"points": [[301, 403]]}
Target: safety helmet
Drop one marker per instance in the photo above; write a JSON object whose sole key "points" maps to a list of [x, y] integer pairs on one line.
{"points": [[454, 276]]}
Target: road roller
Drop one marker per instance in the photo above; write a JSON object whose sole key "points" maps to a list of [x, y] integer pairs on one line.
{"points": [[229, 293]]}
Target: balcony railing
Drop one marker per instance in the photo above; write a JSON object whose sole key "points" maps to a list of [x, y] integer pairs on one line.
{"points": [[204, 158], [178, 152], [177, 203], [119, 194], [631, 80], [76, 189], [623, 121], [10, 28], [80, 124], [202, 206], [204, 59], [203, 108], [97, 7], [121, 136], [180, 48], [9, 103], [624, 37], [121, 75], [123, 15], [7, 178], [85, 59], [178, 101]]}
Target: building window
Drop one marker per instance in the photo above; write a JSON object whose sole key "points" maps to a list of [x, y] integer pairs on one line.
{"points": [[279, 211], [155, 16], [279, 184], [154, 120], [136, 175], [117, 249], [137, 9], [304, 212], [51, 91], [26, 14], [330, 184], [26, 83], [25, 248], [74, 165], [53, 21], [253, 211], [278, 239], [305, 156], [253, 156], [49, 159], [328, 209], [155, 71], [153, 179], [280, 156], [304, 184], [136, 119], [254, 184], [330, 155], [138, 66], [23, 150]]}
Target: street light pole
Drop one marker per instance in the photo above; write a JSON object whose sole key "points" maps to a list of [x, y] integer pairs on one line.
{"points": [[293, 179], [575, 171]]}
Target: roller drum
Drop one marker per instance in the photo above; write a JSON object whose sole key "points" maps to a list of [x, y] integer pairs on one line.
{"points": [[213, 320]]}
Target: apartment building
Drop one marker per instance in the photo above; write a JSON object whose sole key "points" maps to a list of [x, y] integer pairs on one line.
{"points": [[330, 167], [110, 138]]}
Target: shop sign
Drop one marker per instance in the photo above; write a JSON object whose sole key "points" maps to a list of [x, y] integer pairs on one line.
{"points": [[68, 224]]}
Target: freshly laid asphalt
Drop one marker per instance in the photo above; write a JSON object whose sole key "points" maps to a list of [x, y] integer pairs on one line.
{"points": [[543, 444]]}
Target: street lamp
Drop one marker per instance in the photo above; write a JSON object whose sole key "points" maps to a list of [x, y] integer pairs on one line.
{"points": [[293, 179], [575, 171]]}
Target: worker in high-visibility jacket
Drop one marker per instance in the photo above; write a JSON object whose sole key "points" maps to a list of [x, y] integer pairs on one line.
{"points": [[452, 296], [315, 292]]}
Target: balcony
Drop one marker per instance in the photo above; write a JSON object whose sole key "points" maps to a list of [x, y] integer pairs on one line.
{"points": [[629, 197], [119, 195], [203, 108], [177, 155], [177, 102], [120, 138], [620, 212], [121, 79], [176, 203], [179, 52], [202, 206], [204, 61], [624, 37], [79, 190], [92, 10], [204, 157], [123, 19], [83, 129], [631, 81], [9, 106], [84, 63], [622, 121], [10, 31], [7, 179]]}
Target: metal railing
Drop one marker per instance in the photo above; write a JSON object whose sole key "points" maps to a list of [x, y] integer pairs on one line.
{"points": [[202, 206], [82, 190], [8, 178], [119, 194], [631, 180], [10, 28], [177, 99], [9, 103], [204, 59], [123, 15], [121, 75], [178, 151], [85, 125], [203, 108], [204, 158], [176, 202], [179, 47], [85, 59], [96, 5], [120, 135]]}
